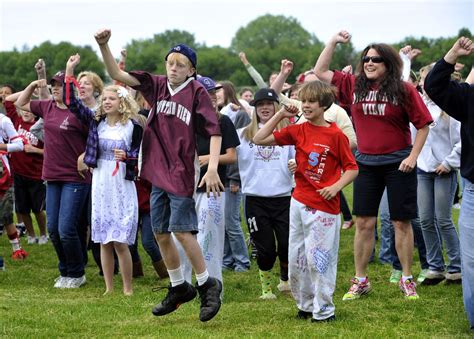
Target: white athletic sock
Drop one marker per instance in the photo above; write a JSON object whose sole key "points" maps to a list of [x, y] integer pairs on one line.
{"points": [[176, 276], [15, 244], [202, 277], [406, 278]]}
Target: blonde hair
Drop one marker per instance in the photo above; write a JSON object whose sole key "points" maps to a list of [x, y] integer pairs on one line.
{"points": [[128, 108], [252, 128], [425, 70], [141, 120], [96, 81], [318, 91], [178, 57]]}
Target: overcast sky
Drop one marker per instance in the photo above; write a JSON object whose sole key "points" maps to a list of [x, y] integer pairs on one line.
{"points": [[215, 22]]}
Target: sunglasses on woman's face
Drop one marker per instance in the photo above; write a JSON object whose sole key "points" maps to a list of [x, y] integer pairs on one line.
{"points": [[374, 59]]}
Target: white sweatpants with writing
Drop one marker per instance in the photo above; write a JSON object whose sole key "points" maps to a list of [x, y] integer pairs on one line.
{"points": [[313, 250], [211, 225]]}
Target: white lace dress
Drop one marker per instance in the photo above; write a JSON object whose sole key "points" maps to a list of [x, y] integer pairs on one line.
{"points": [[114, 199]]}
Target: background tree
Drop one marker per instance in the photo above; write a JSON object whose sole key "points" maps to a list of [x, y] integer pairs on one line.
{"points": [[265, 40], [17, 68], [269, 38], [434, 49]]}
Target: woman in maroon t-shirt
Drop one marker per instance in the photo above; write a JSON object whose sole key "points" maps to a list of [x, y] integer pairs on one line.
{"points": [[66, 192], [382, 105]]}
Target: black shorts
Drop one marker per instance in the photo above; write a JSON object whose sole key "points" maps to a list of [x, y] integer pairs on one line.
{"points": [[401, 191], [30, 194]]}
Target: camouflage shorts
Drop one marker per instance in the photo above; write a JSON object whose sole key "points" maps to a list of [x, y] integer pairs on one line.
{"points": [[6, 207]]}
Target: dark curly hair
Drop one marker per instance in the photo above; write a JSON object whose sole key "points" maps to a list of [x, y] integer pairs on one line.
{"points": [[391, 85]]}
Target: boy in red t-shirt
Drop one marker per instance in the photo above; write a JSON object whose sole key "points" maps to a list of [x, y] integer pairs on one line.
{"points": [[322, 152]]}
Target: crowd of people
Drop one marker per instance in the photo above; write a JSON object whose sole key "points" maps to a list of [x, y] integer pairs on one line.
{"points": [[176, 156]]}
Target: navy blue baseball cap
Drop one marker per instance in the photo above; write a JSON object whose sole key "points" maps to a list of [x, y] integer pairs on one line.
{"points": [[208, 83], [186, 51]]}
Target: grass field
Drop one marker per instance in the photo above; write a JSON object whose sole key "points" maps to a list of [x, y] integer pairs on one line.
{"points": [[30, 307]]}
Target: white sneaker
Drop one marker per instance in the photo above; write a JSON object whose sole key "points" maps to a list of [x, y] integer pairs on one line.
{"points": [[76, 282], [43, 240], [284, 286], [268, 296], [32, 240], [61, 282]]}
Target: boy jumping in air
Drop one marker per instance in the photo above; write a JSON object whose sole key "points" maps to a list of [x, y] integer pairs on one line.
{"points": [[181, 107]]}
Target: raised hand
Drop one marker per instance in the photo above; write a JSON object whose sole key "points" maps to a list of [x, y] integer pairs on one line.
{"points": [[289, 111], [102, 36], [414, 53], [243, 58], [123, 53], [40, 66], [342, 37], [347, 69], [73, 61], [286, 67], [463, 46], [406, 49]]}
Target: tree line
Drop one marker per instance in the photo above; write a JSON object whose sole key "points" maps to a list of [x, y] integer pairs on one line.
{"points": [[266, 40]]}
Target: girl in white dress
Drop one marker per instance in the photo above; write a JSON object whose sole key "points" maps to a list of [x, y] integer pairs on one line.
{"points": [[112, 150]]}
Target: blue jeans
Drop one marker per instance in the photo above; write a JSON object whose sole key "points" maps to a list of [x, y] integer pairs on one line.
{"points": [[148, 238], [435, 201], [236, 255], [386, 253], [466, 238], [387, 244], [64, 203]]}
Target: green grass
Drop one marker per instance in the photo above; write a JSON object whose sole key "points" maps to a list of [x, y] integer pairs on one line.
{"points": [[31, 307]]}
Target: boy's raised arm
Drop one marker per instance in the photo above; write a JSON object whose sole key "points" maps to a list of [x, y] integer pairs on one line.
{"points": [[264, 135], [285, 70], [102, 37]]}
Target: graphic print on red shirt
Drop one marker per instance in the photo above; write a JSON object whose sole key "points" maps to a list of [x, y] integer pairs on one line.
{"points": [[321, 154]]}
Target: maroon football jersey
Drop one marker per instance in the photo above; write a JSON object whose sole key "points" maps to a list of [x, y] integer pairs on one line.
{"points": [[169, 139]]}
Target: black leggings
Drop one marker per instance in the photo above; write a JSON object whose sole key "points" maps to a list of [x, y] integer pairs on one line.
{"points": [[268, 220]]}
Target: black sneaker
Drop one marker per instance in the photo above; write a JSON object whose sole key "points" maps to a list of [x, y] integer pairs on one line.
{"points": [[210, 294], [327, 320], [176, 296], [304, 315]]}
